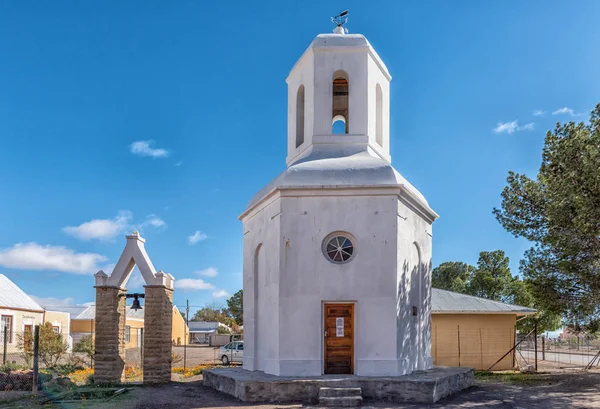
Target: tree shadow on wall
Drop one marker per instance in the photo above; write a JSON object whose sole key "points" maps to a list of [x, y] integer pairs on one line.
{"points": [[413, 314]]}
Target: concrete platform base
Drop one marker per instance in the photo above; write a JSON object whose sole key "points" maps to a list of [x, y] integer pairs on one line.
{"points": [[419, 387]]}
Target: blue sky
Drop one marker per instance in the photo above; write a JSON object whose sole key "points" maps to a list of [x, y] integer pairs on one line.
{"points": [[85, 87]]}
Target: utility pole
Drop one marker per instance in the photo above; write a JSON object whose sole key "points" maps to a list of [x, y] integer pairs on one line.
{"points": [[186, 335]]}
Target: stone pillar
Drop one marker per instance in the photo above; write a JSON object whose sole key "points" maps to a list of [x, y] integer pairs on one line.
{"points": [[109, 357], [158, 322]]}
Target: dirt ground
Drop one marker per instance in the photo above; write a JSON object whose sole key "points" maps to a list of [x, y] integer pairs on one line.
{"points": [[540, 391]]}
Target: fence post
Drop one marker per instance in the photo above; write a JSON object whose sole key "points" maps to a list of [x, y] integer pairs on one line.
{"points": [[535, 343], [514, 337], [5, 342], [36, 353], [186, 336], [543, 348], [458, 331], [480, 350]]}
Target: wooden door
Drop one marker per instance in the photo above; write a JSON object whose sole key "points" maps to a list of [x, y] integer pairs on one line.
{"points": [[339, 338]]}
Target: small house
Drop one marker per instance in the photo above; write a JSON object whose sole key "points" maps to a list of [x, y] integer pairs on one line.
{"points": [[472, 331], [19, 314]]}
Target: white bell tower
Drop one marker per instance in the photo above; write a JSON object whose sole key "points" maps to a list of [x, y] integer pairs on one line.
{"points": [[339, 77], [337, 247]]}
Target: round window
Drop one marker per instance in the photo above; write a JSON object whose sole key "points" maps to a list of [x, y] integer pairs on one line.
{"points": [[338, 248]]}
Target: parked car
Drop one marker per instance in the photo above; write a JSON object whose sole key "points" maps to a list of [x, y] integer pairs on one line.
{"points": [[232, 352]]}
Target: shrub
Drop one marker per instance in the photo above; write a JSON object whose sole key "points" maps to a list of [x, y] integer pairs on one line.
{"points": [[51, 348], [133, 371], [66, 369], [9, 366], [86, 346], [176, 358]]}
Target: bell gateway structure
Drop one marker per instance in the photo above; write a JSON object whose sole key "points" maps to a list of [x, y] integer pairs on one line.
{"points": [[337, 248]]}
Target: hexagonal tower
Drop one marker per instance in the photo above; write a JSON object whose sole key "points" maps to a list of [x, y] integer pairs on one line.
{"points": [[337, 248]]}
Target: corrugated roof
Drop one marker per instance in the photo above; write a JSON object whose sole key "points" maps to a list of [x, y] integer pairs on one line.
{"points": [[90, 313], [203, 326], [11, 296], [443, 301]]}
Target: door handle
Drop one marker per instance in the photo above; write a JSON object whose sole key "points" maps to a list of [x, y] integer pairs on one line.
{"points": [[325, 333]]}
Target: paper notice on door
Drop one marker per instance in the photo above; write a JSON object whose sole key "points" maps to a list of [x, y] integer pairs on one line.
{"points": [[339, 327]]}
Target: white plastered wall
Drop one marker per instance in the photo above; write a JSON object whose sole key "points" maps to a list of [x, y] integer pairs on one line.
{"points": [[308, 280], [261, 287], [413, 289], [376, 76]]}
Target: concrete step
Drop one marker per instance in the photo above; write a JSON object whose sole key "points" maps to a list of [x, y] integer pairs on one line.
{"points": [[339, 392], [341, 402]]}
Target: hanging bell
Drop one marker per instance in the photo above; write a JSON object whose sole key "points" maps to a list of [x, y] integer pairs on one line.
{"points": [[136, 304]]}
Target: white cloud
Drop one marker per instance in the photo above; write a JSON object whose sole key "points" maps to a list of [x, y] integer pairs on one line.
{"points": [[539, 112], [108, 229], [508, 127], [61, 304], [101, 229], [179, 163], [193, 284], [564, 111], [51, 302], [33, 256], [196, 237], [220, 294], [527, 127], [512, 127], [143, 148], [155, 221], [208, 272]]}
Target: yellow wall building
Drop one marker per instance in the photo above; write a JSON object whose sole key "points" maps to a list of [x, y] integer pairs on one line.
{"points": [[472, 331]]}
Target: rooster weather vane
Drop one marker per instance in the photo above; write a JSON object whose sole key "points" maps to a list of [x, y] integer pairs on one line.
{"points": [[340, 19]]}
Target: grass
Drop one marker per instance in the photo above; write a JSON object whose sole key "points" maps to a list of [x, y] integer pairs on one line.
{"points": [[516, 378], [80, 398]]}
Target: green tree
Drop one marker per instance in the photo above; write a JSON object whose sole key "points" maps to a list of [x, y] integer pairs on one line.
{"points": [[222, 330], [235, 304], [214, 312], [452, 276], [559, 212], [492, 276]]}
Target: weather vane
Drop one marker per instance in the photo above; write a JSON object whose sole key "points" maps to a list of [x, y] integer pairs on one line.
{"points": [[340, 19]]}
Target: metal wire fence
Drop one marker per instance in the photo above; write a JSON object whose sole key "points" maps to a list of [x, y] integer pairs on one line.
{"points": [[573, 352], [17, 360], [196, 354], [39, 354]]}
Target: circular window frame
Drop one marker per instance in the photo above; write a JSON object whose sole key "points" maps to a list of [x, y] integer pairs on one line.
{"points": [[345, 235]]}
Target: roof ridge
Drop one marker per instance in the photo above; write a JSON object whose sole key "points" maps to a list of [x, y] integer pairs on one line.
{"points": [[12, 293]]}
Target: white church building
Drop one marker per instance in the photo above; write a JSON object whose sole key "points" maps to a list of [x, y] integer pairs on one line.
{"points": [[337, 248]]}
